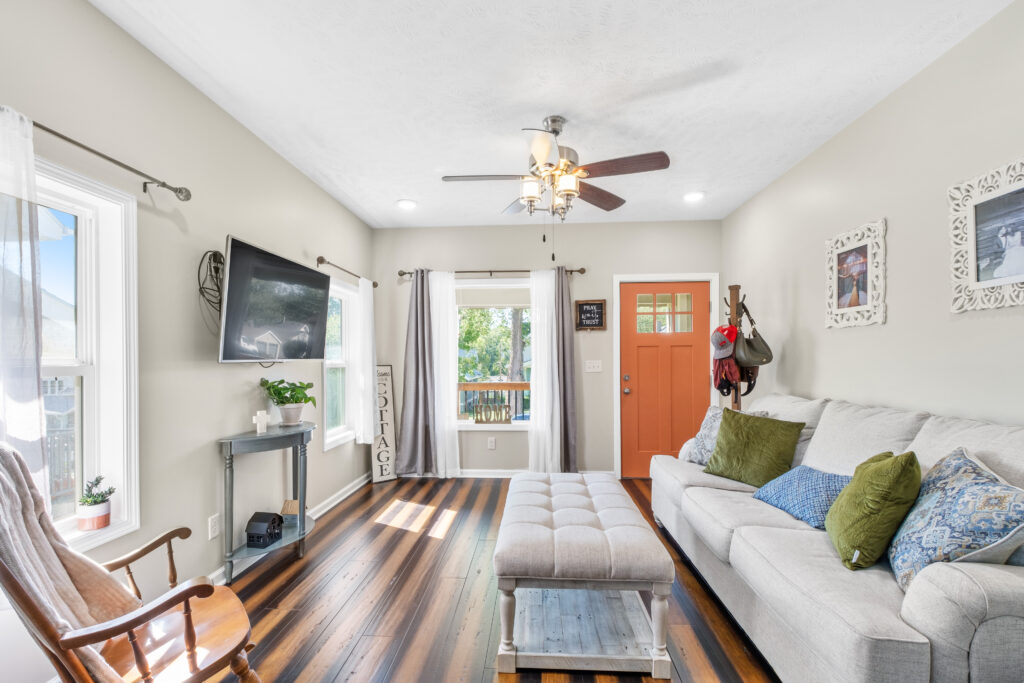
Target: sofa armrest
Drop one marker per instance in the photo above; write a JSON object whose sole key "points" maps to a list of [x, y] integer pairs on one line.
{"points": [[973, 614]]}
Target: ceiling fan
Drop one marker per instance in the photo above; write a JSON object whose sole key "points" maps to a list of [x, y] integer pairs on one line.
{"points": [[556, 168]]}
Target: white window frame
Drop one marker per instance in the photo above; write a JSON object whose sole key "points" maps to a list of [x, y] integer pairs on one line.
{"points": [[107, 271], [345, 433], [492, 283]]}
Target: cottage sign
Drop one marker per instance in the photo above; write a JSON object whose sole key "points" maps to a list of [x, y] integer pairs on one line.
{"points": [[383, 465]]}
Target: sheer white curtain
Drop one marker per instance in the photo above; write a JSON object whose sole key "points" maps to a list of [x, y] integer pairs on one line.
{"points": [[364, 364], [444, 329], [545, 434], [21, 404]]}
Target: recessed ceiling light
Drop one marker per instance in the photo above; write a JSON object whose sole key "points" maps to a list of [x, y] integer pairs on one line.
{"points": [[406, 204], [693, 197]]}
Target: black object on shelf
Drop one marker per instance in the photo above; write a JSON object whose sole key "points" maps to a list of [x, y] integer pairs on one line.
{"points": [[263, 529]]}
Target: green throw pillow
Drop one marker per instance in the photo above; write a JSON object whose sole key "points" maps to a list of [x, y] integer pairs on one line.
{"points": [[753, 449], [867, 513]]}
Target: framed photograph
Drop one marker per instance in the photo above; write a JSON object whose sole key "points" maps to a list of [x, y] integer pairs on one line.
{"points": [[987, 238], [855, 277]]}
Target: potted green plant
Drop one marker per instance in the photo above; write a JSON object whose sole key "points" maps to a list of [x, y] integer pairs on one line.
{"points": [[289, 397], [93, 509]]}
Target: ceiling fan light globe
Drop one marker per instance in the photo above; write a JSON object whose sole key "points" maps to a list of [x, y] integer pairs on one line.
{"points": [[567, 186]]}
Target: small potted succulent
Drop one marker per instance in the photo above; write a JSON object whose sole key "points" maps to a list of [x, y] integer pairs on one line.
{"points": [[289, 397], [93, 510]]}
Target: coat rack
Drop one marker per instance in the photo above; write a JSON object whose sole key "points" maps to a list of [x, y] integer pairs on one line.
{"points": [[735, 315]]}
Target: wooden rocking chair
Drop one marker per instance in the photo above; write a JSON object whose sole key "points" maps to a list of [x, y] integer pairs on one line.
{"points": [[190, 633]]}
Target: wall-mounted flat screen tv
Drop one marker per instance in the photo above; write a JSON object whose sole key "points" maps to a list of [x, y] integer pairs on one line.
{"points": [[272, 309]]}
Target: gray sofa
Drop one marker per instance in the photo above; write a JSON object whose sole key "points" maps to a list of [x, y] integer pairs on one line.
{"points": [[815, 620]]}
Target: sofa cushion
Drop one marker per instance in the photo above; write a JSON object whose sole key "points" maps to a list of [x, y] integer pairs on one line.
{"points": [[703, 444], [805, 493], [1000, 447], [851, 619], [849, 434], [676, 475], [962, 509], [753, 449], [867, 513], [715, 514], [793, 409]]}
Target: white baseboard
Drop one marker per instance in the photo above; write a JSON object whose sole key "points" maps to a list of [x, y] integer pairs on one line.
{"points": [[316, 512]]}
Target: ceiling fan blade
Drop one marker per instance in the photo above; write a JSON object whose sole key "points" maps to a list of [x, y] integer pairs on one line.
{"points": [[638, 163], [515, 207], [455, 178], [602, 199], [543, 146]]}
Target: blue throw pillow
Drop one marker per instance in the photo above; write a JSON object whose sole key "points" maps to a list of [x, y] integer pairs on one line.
{"points": [[805, 493], [963, 513]]}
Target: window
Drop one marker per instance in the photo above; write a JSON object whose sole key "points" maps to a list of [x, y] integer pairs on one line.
{"points": [[664, 313], [494, 354], [337, 423], [86, 256]]}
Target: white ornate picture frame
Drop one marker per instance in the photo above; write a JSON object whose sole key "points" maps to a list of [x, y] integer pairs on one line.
{"points": [[971, 290], [855, 277]]}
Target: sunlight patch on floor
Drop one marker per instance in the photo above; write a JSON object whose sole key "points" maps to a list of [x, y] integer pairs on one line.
{"points": [[443, 523], [403, 514]]}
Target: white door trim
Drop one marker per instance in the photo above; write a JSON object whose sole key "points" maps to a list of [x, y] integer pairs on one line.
{"points": [[711, 279]]}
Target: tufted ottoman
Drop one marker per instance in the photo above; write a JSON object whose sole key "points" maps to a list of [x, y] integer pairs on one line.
{"points": [[579, 531]]}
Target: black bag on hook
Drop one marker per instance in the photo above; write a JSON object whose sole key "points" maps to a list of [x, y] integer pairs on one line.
{"points": [[751, 351]]}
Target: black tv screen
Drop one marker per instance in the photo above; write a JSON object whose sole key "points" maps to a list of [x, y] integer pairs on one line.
{"points": [[273, 309]]}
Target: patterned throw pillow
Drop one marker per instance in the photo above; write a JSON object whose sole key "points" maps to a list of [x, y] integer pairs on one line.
{"points": [[804, 492], [704, 442], [963, 513]]}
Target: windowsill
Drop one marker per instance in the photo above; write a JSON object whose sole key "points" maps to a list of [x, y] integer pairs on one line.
{"points": [[519, 426], [82, 541], [338, 437]]}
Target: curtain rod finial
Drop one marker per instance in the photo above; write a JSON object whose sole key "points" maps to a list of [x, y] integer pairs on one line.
{"points": [[320, 260]]}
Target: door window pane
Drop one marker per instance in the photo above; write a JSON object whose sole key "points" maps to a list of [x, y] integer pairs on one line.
{"points": [[684, 322], [333, 350], [664, 303], [684, 303], [62, 405], [645, 324], [662, 324], [334, 403], [644, 303], [57, 276]]}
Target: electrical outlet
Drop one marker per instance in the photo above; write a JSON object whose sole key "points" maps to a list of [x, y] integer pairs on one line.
{"points": [[213, 526], [591, 366], [491, 443]]}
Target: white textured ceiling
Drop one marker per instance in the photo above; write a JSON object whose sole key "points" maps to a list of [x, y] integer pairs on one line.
{"points": [[375, 100]]}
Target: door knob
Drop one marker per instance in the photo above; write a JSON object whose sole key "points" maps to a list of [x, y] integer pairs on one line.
{"points": [[626, 390], [625, 378]]}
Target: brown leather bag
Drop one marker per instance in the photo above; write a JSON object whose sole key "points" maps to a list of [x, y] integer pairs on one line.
{"points": [[751, 351]]}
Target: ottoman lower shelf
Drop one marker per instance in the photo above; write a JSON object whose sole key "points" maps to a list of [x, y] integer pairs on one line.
{"points": [[590, 630]]}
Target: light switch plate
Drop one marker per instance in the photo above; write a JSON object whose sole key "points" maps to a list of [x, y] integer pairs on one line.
{"points": [[491, 443], [591, 366]]}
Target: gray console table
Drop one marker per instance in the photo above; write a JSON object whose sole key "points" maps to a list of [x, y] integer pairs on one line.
{"points": [[273, 439]]}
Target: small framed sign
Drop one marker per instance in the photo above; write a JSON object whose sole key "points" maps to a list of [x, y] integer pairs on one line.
{"points": [[590, 314], [384, 442]]}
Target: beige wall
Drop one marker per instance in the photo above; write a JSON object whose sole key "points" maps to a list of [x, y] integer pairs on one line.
{"points": [[604, 249], [958, 118], [72, 69]]}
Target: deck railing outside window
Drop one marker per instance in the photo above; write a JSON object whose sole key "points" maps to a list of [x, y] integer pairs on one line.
{"points": [[515, 395]]}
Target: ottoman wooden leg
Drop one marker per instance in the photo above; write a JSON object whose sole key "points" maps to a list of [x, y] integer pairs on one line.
{"points": [[661, 664], [506, 663]]}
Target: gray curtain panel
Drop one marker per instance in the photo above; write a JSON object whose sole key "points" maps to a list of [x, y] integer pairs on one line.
{"points": [[417, 445], [565, 325]]}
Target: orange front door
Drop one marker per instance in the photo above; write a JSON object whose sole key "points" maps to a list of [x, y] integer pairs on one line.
{"points": [[665, 379]]}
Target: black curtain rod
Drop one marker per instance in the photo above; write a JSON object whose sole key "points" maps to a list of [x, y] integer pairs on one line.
{"points": [[182, 193], [320, 260], [492, 271]]}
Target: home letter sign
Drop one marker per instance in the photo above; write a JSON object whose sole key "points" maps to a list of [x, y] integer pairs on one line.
{"points": [[384, 442]]}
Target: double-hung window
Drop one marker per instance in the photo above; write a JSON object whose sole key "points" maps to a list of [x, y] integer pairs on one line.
{"points": [[337, 378], [494, 354], [87, 272]]}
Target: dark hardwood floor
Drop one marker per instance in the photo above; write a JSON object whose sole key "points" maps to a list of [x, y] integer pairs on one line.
{"points": [[404, 591]]}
